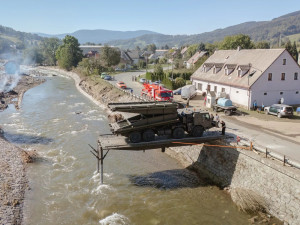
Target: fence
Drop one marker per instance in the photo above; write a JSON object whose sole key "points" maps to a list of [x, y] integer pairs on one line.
{"points": [[270, 153]]}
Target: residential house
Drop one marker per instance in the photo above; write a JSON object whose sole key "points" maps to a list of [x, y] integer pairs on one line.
{"points": [[135, 56], [92, 54], [183, 52], [125, 58], [246, 76], [191, 62]]}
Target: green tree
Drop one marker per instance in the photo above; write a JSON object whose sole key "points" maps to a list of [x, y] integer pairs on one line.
{"points": [[240, 40], [151, 48], [262, 45], [179, 82], [158, 70], [192, 49], [162, 61], [69, 54], [294, 51], [110, 56], [49, 47]]}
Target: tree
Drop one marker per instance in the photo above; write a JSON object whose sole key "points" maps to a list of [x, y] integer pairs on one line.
{"points": [[69, 54], [294, 51], [192, 49], [49, 47], [262, 45], [167, 47], [201, 47], [240, 40], [179, 82], [162, 61], [158, 70], [151, 48], [110, 56]]}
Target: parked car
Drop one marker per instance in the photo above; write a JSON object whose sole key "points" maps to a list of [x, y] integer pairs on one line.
{"points": [[279, 110], [143, 80], [107, 77], [177, 91], [121, 84], [103, 75]]}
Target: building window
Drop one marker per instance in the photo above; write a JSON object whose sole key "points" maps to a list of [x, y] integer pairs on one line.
{"points": [[297, 92], [281, 93], [284, 62], [296, 76], [269, 76], [200, 86], [283, 76], [215, 89], [208, 87], [265, 93], [223, 89]]}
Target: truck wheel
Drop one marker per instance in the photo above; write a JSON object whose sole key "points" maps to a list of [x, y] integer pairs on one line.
{"points": [[135, 137], [227, 112], [148, 135], [197, 131], [178, 133]]}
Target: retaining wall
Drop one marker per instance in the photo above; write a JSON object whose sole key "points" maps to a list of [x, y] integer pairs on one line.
{"points": [[278, 184]]}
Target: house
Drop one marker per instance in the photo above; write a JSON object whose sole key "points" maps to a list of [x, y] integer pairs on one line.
{"points": [[183, 51], [135, 56], [191, 62], [92, 54], [125, 58], [89, 48], [246, 76]]}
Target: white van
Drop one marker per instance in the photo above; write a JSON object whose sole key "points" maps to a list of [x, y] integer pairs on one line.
{"points": [[188, 91]]}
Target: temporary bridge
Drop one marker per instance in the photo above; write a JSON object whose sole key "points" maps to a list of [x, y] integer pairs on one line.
{"points": [[109, 142]]}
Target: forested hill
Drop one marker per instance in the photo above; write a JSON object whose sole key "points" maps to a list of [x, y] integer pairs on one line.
{"points": [[286, 25], [100, 35], [10, 37]]}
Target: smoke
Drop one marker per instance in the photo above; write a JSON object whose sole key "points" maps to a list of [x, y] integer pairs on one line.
{"points": [[10, 78]]}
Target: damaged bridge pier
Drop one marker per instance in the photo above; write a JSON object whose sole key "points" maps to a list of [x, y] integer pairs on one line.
{"points": [[109, 142]]}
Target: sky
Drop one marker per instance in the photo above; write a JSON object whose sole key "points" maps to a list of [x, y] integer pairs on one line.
{"points": [[162, 16]]}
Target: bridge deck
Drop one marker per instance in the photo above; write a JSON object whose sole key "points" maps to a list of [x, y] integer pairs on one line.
{"points": [[112, 142]]}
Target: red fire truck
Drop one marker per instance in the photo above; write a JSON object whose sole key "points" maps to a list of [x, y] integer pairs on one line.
{"points": [[157, 93]]}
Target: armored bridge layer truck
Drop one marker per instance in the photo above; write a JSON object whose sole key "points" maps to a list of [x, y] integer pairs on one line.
{"points": [[159, 118]]}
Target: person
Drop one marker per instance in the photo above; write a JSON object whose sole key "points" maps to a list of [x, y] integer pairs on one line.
{"points": [[263, 107], [205, 99], [131, 91], [212, 116], [223, 127], [254, 105], [217, 119]]}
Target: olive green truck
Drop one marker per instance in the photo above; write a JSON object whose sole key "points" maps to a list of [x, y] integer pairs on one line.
{"points": [[153, 119]]}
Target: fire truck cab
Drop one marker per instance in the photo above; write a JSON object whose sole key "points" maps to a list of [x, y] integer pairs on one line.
{"points": [[157, 92]]}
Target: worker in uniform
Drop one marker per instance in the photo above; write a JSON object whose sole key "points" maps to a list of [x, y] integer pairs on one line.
{"points": [[223, 127]]}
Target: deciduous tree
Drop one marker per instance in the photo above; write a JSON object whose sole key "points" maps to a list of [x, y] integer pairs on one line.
{"points": [[110, 56], [240, 40], [69, 54]]}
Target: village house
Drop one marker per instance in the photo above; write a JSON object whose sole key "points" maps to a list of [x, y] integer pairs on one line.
{"points": [[184, 51], [135, 56], [191, 62], [246, 76]]}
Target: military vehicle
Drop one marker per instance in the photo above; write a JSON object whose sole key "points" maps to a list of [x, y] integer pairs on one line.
{"points": [[159, 118]]}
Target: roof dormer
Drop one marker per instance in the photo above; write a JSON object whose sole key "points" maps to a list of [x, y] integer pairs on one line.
{"points": [[217, 67], [229, 68], [207, 66], [242, 70]]}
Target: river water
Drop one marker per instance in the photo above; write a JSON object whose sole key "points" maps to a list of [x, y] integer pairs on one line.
{"points": [[139, 188]]}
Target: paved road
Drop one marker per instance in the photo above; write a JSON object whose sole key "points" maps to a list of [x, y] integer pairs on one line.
{"points": [[263, 137]]}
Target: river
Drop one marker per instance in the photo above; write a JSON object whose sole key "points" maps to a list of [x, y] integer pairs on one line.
{"points": [[139, 188]]}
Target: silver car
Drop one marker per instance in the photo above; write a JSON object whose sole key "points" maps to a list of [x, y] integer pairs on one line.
{"points": [[279, 110]]}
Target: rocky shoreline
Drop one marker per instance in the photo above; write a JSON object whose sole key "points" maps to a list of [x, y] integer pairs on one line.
{"points": [[13, 182], [13, 160]]}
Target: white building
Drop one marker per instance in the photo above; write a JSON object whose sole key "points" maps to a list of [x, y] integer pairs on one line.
{"points": [[261, 75]]}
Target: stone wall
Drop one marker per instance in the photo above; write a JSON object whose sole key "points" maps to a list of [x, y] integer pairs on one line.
{"points": [[278, 184]]}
